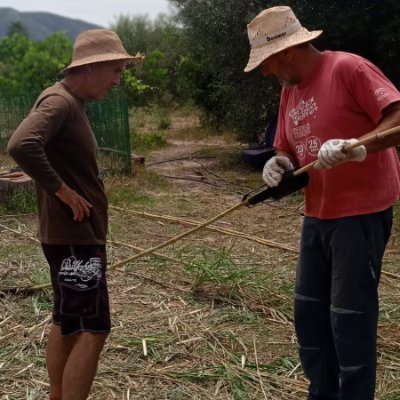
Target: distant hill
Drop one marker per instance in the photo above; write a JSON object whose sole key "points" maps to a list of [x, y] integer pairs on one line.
{"points": [[42, 24]]}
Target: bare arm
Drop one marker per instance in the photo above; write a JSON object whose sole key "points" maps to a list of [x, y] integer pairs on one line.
{"points": [[390, 119]]}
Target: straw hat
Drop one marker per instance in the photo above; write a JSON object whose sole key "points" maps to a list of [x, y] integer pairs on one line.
{"points": [[273, 30], [97, 45]]}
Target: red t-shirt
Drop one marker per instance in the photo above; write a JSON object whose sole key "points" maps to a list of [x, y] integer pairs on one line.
{"points": [[343, 99]]}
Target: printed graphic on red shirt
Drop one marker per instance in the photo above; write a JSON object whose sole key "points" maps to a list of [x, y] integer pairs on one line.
{"points": [[381, 94], [303, 110], [301, 131], [313, 146], [310, 147], [305, 144], [300, 150]]}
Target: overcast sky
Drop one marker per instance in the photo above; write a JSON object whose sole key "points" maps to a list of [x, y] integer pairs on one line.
{"points": [[101, 12]]}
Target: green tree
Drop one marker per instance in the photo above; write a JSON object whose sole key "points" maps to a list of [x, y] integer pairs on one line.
{"points": [[218, 49], [28, 66], [156, 74], [161, 41], [134, 32]]}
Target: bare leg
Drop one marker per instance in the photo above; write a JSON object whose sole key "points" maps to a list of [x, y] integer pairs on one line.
{"points": [[72, 363], [58, 350], [81, 366]]}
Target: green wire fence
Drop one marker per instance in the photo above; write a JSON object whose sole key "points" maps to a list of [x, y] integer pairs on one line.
{"points": [[109, 119]]}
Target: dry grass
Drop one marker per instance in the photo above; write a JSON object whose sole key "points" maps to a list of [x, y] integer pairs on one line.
{"points": [[210, 317]]}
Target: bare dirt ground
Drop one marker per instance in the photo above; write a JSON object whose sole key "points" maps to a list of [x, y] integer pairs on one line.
{"points": [[209, 316]]}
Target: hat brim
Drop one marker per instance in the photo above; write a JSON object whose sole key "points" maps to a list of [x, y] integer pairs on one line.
{"points": [[102, 58], [260, 54]]}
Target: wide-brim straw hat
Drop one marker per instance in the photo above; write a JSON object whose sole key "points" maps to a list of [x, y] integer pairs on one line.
{"points": [[273, 30], [99, 45]]}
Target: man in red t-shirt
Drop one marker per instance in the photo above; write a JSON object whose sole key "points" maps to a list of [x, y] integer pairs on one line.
{"points": [[348, 209]]}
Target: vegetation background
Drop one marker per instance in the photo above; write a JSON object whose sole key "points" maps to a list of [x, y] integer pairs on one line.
{"points": [[198, 55], [211, 316]]}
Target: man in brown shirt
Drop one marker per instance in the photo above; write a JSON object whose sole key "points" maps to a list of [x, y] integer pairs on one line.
{"points": [[56, 147]]}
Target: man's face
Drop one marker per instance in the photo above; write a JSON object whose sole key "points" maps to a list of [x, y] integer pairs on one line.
{"points": [[278, 65], [103, 77]]}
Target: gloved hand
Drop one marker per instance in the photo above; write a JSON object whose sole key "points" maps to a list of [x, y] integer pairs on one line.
{"points": [[331, 153], [274, 169]]}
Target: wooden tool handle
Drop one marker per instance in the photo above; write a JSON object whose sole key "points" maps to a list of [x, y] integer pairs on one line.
{"points": [[367, 140]]}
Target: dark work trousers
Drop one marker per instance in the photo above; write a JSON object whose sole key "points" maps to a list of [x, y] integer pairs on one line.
{"points": [[336, 303]]}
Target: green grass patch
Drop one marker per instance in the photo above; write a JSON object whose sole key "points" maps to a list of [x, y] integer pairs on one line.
{"points": [[186, 110], [396, 211], [237, 382], [146, 142], [125, 196], [150, 118], [393, 396], [164, 122], [193, 133], [219, 269], [41, 303], [227, 158], [155, 345], [241, 317], [40, 273], [287, 289], [390, 310], [21, 202], [17, 251]]}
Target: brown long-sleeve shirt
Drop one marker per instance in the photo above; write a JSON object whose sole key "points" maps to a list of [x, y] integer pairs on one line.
{"points": [[55, 144]]}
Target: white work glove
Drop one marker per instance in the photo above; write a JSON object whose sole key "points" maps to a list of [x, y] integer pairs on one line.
{"points": [[331, 153], [274, 169]]}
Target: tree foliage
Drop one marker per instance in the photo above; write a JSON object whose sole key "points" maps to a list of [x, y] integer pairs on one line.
{"points": [[218, 50], [27, 66], [200, 54], [161, 43]]}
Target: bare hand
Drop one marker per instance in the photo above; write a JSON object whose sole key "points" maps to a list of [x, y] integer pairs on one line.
{"points": [[80, 206]]}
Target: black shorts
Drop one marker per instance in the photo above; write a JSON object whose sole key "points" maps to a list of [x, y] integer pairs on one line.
{"points": [[78, 277]]}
